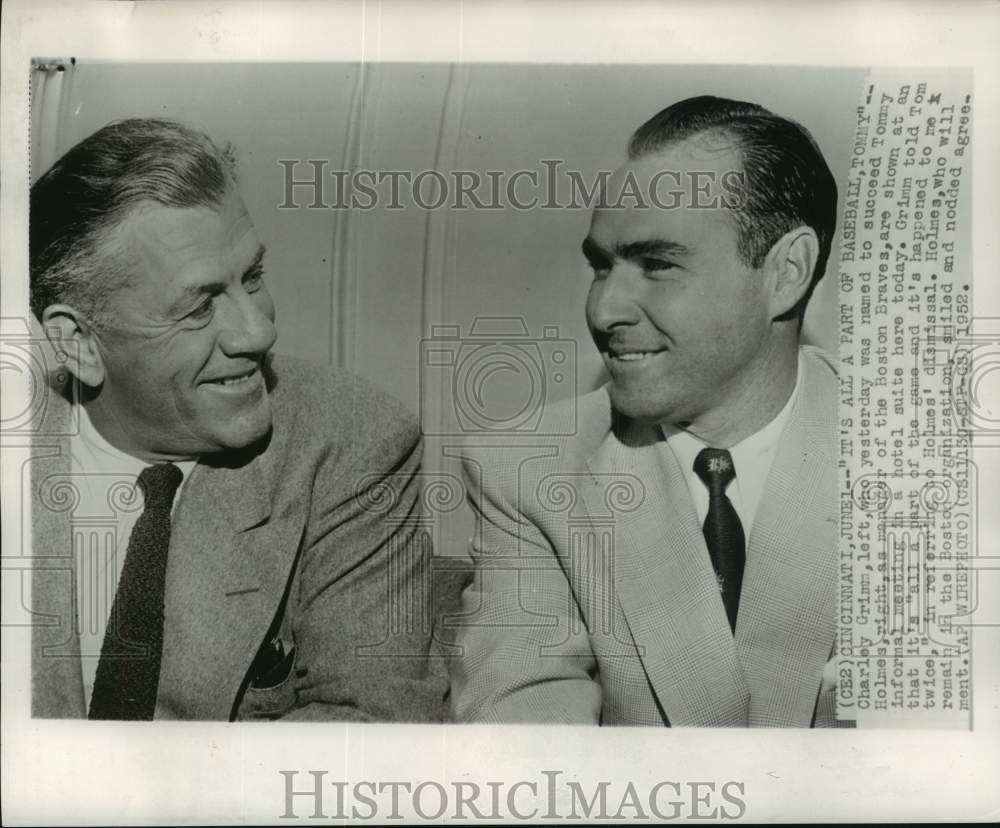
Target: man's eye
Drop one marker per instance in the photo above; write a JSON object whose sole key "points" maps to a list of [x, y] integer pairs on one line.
{"points": [[252, 282], [204, 310], [600, 268], [657, 265]]}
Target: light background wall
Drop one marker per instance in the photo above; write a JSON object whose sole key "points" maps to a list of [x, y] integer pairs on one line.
{"points": [[361, 288]]}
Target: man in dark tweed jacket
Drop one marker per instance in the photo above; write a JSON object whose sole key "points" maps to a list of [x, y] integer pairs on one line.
{"points": [[290, 526]]}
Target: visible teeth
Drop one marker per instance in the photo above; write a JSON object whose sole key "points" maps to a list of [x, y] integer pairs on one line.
{"points": [[236, 380], [634, 357]]}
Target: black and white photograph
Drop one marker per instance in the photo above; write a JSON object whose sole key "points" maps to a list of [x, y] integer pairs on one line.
{"points": [[405, 428]]}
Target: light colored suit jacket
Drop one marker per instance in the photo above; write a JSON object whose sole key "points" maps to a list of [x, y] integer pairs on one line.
{"points": [[594, 599], [286, 571]]}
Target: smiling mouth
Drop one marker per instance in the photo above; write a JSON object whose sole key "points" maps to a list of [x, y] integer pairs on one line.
{"points": [[633, 356], [238, 379]]}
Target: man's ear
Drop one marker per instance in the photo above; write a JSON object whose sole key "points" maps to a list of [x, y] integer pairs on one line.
{"points": [[792, 262], [72, 335]]}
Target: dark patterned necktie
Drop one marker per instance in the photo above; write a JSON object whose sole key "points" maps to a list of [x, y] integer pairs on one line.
{"points": [[723, 530], [128, 673]]}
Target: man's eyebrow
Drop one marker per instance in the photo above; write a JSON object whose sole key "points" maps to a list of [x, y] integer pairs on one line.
{"points": [[258, 260], [192, 292], [593, 251], [632, 250], [651, 247]]}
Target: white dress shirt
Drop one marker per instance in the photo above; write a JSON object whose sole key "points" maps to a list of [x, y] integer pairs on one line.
{"points": [[109, 504], [752, 459]]}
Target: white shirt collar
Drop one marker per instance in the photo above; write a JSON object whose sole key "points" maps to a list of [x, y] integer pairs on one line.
{"points": [[92, 453]]}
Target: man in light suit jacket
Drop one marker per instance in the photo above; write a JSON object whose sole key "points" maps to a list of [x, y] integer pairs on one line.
{"points": [[256, 569], [673, 560]]}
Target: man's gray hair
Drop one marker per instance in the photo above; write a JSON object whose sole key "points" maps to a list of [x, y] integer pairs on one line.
{"points": [[78, 203]]}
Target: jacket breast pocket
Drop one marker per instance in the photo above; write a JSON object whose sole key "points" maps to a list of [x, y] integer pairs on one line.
{"points": [[271, 692]]}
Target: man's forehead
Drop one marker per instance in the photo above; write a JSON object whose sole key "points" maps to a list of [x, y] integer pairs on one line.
{"points": [[174, 240], [691, 228], [710, 152], [677, 194]]}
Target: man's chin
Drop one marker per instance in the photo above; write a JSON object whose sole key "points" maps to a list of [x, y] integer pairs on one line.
{"points": [[248, 429], [639, 407]]}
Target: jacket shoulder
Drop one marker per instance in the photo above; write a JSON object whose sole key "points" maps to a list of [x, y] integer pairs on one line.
{"points": [[584, 420], [572, 423], [317, 401], [571, 430]]}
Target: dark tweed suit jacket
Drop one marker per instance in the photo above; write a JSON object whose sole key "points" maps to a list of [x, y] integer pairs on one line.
{"points": [[594, 598], [298, 573]]}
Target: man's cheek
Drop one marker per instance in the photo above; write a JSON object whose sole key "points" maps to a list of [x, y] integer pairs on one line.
{"points": [[133, 380]]}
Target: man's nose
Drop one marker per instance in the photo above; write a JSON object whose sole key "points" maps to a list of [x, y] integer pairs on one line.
{"points": [[250, 326], [612, 301]]}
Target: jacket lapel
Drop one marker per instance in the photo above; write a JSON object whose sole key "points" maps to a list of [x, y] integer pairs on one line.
{"points": [[227, 573], [666, 587], [787, 623]]}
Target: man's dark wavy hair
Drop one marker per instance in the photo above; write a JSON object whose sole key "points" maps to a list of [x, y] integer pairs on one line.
{"points": [[786, 184], [87, 193]]}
